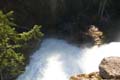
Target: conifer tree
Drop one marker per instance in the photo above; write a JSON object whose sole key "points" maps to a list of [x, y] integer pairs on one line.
{"points": [[11, 59]]}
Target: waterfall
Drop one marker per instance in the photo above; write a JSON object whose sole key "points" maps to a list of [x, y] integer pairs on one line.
{"points": [[58, 60], [92, 57]]}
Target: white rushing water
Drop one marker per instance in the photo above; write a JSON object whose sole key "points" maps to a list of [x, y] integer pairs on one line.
{"points": [[58, 60]]}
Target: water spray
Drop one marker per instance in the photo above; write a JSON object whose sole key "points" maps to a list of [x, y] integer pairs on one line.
{"points": [[58, 60]]}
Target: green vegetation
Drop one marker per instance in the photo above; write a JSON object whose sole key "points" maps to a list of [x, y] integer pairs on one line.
{"points": [[12, 59]]}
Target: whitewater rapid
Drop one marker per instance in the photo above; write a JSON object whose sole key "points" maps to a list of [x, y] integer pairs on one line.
{"points": [[58, 60]]}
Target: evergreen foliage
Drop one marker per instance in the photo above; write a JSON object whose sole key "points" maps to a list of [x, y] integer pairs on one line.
{"points": [[11, 58]]}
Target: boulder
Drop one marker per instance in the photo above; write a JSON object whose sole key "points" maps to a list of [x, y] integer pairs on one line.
{"points": [[109, 68]]}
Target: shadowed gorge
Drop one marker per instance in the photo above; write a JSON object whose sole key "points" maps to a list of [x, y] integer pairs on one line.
{"points": [[69, 17]]}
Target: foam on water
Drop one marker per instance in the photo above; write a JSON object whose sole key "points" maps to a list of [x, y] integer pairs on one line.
{"points": [[58, 60], [91, 57]]}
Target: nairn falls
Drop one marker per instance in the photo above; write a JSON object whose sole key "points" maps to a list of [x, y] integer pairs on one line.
{"points": [[56, 39], [58, 60]]}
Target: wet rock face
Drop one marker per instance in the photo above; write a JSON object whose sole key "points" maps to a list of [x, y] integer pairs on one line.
{"points": [[110, 68]]}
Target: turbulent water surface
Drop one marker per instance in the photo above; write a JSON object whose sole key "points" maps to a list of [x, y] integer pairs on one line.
{"points": [[58, 60]]}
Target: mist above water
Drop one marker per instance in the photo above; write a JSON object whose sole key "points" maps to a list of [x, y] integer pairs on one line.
{"points": [[58, 60], [92, 57]]}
